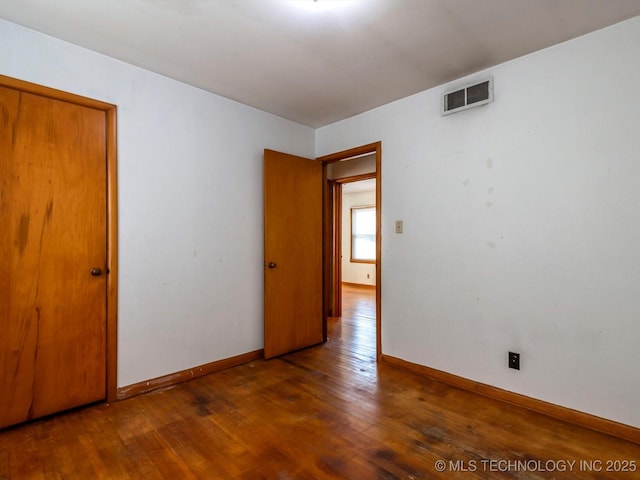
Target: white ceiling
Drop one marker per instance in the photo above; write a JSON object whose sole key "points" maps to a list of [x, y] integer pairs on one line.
{"points": [[316, 62]]}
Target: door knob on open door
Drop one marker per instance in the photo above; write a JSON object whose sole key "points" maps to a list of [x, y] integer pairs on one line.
{"points": [[272, 265], [96, 272]]}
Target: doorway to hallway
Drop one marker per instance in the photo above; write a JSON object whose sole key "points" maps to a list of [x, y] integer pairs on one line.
{"points": [[367, 160]]}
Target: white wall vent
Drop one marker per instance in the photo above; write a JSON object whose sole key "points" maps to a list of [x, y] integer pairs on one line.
{"points": [[480, 93]]}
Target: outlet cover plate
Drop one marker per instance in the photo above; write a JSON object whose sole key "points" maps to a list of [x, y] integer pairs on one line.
{"points": [[514, 360]]}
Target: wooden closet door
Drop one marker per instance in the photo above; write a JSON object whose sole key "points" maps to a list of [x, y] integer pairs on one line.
{"points": [[293, 253], [53, 247]]}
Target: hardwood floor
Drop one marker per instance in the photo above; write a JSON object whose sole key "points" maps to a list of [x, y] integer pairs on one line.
{"points": [[328, 412]]}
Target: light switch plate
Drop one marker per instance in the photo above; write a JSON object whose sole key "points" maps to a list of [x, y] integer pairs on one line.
{"points": [[399, 226]]}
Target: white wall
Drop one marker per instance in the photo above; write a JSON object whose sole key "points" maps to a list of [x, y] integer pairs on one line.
{"points": [[190, 204], [522, 225], [362, 273]]}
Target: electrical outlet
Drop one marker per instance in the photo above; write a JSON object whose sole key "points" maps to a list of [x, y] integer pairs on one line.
{"points": [[514, 360]]}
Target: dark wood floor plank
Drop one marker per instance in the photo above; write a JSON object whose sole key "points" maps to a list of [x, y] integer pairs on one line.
{"points": [[328, 412]]}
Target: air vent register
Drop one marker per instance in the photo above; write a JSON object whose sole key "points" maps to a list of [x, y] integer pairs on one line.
{"points": [[468, 97]]}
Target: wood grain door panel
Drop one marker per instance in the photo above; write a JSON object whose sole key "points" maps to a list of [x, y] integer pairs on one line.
{"points": [[53, 223], [293, 247]]}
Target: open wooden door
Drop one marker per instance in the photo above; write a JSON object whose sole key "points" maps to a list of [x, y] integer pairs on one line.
{"points": [[293, 310], [53, 255]]}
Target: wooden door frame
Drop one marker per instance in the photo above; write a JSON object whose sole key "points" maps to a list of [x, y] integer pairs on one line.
{"points": [[329, 240], [335, 280], [111, 212]]}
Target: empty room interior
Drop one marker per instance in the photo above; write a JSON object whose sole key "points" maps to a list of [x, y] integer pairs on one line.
{"points": [[298, 239]]}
